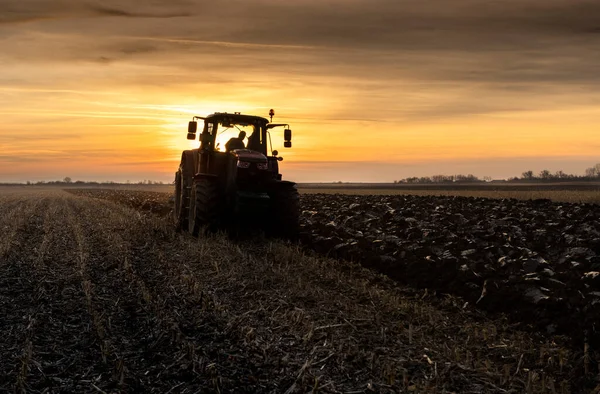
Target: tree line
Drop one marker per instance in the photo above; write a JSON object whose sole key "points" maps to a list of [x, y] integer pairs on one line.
{"points": [[591, 174], [68, 181], [444, 179]]}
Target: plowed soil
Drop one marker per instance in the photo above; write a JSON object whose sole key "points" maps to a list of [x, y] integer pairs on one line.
{"points": [[537, 260], [99, 294]]}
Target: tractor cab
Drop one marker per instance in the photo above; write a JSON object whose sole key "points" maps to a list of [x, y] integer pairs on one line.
{"points": [[224, 133]]}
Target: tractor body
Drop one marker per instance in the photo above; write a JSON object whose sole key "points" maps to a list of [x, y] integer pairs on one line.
{"points": [[223, 184]]}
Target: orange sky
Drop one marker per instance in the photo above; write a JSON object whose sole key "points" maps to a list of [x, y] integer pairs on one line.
{"points": [[374, 90]]}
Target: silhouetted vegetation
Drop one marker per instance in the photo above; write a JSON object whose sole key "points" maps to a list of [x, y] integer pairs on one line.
{"points": [[591, 174], [441, 179], [67, 181]]}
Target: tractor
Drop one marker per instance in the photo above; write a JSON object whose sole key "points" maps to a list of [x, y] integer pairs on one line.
{"points": [[220, 186]]}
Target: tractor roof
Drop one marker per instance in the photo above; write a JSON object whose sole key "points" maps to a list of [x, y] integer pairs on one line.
{"points": [[236, 118]]}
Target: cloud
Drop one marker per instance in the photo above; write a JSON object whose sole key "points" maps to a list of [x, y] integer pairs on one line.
{"points": [[103, 10], [21, 11], [476, 41]]}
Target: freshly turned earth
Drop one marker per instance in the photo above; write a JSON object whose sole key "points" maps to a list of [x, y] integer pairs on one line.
{"points": [[536, 259]]}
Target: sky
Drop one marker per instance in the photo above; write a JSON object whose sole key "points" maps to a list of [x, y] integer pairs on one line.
{"points": [[374, 90]]}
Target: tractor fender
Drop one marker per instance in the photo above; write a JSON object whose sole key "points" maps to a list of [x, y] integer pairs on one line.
{"points": [[187, 168], [189, 161], [284, 183], [202, 175], [278, 185]]}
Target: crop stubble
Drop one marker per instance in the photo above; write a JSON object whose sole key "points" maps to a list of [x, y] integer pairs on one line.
{"points": [[97, 296]]}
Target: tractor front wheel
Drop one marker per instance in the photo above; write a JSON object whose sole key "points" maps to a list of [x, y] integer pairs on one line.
{"points": [[284, 215], [205, 207]]}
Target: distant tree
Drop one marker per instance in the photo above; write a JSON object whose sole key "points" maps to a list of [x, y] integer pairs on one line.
{"points": [[442, 178], [545, 175], [527, 175], [591, 172], [466, 178], [67, 180]]}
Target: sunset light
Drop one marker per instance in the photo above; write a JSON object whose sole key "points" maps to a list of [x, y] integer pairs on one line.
{"points": [[104, 95]]}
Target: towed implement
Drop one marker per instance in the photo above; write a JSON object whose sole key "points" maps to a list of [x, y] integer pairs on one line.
{"points": [[220, 186]]}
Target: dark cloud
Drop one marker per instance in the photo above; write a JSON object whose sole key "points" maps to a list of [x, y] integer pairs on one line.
{"points": [[367, 50], [19, 11], [103, 10], [15, 11]]}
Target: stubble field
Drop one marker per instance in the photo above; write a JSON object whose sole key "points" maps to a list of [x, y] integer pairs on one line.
{"points": [[99, 294]]}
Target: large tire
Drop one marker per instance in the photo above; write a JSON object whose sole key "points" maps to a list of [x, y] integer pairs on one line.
{"points": [[177, 213], [205, 207], [182, 202], [284, 217], [183, 188]]}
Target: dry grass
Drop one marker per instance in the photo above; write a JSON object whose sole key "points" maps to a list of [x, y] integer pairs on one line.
{"points": [[100, 297]]}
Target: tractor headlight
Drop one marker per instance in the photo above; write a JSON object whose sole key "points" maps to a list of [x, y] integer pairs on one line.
{"points": [[243, 164], [262, 166]]}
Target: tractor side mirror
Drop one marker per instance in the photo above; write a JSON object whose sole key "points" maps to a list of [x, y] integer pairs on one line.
{"points": [[192, 127], [287, 137]]}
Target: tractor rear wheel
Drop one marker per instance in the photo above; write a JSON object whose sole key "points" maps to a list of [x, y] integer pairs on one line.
{"points": [[205, 207], [182, 202], [177, 219], [284, 213], [183, 186]]}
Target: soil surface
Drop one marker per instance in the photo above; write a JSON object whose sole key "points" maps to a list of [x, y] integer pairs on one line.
{"points": [[101, 295], [536, 260]]}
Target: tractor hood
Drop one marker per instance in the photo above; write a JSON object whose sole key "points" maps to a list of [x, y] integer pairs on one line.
{"points": [[248, 155]]}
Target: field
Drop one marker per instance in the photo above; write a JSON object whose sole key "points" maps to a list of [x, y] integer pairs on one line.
{"points": [[99, 294], [575, 192]]}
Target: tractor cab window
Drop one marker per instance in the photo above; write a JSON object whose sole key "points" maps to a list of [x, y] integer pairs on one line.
{"points": [[232, 136]]}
